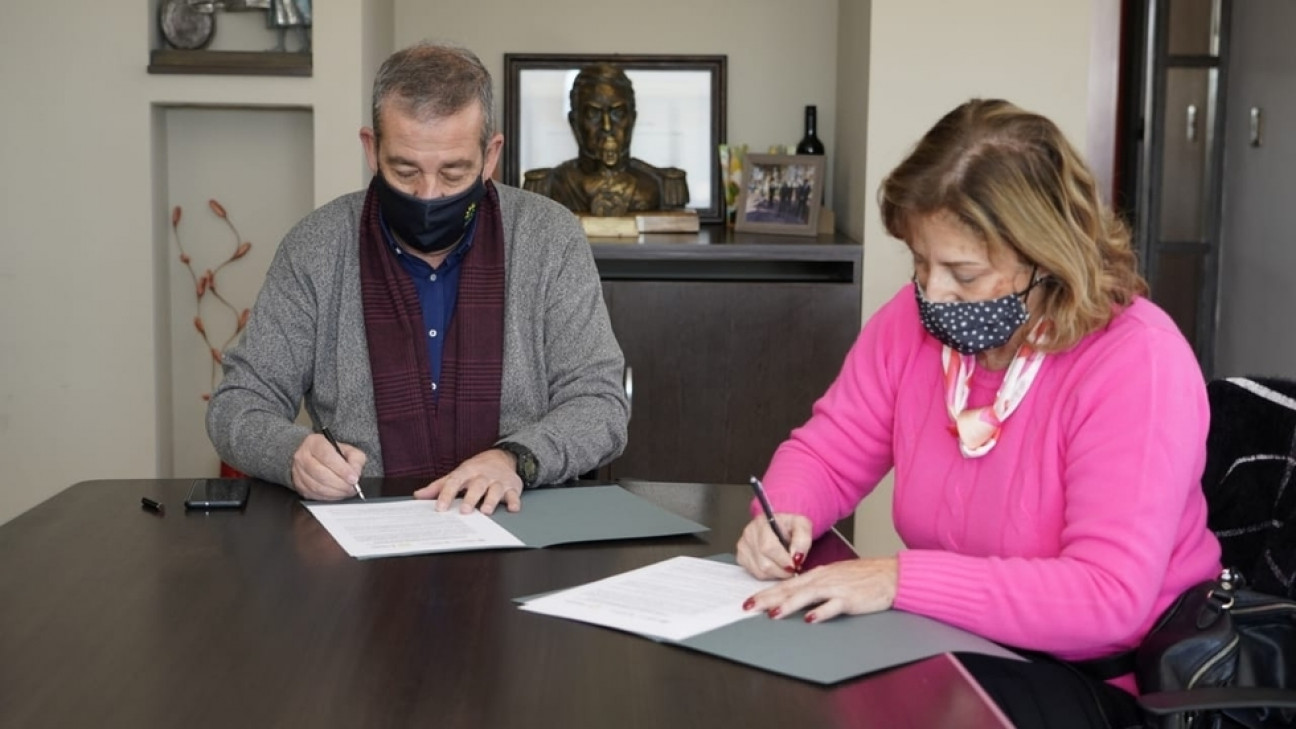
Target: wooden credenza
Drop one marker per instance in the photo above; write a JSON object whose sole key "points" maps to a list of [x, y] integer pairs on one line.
{"points": [[731, 337]]}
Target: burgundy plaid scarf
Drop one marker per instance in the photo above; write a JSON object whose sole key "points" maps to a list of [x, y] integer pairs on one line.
{"points": [[422, 434]]}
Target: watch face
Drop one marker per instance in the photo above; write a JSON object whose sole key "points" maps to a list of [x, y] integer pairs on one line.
{"points": [[527, 464], [527, 468]]}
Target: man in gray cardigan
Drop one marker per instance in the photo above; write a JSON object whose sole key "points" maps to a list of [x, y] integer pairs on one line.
{"points": [[438, 324]]}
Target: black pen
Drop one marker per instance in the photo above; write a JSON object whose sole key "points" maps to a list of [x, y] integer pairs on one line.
{"points": [[769, 513], [153, 506], [333, 442]]}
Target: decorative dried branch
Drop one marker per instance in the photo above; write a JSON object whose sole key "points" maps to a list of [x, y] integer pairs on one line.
{"points": [[205, 283]]}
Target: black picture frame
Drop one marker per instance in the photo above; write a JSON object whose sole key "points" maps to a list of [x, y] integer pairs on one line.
{"points": [[699, 138]]}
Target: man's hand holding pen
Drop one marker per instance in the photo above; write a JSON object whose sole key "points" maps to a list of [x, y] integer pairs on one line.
{"points": [[323, 472]]}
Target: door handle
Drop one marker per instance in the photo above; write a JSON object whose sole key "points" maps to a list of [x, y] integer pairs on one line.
{"points": [[1256, 127], [1192, 123]]}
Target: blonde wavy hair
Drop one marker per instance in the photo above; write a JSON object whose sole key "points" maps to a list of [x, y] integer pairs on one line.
{"points": [[1012, 179]]}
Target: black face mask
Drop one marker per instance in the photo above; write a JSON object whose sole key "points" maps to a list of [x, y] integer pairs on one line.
{"points": [[428, 226], [971, 327]]}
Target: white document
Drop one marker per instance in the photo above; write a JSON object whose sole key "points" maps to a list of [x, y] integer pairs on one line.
{"points": [[675, 599], [408, 526]]}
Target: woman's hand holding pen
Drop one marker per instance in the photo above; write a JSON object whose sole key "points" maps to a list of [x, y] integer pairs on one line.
{"points": [[762, 554], [319, 472], [852, 587]]}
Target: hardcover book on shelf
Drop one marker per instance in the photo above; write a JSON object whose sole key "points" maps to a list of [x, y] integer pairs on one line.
{"points": [[622, 226], [676, 221], [631, 226]]}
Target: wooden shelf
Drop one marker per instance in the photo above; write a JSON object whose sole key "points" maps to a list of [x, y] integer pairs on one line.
{"points": [[718, 254], [230, 63]]}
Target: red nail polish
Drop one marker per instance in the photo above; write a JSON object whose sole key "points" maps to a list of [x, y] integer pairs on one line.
{"points": [[798, 558], [751, 603], [774, 612], [791, 570], [810, 617]]}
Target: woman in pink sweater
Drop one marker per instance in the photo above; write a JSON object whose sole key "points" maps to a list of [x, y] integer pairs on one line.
{"points": [[1046, 424]]}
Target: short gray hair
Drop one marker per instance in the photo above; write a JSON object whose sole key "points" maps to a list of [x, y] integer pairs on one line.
{"points": [[434, 81]]}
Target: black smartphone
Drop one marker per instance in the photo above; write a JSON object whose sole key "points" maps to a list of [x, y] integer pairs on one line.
{"points": [[208, 494]]}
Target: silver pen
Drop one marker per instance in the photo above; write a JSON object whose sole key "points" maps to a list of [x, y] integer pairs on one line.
{"points": [[333, 442]]}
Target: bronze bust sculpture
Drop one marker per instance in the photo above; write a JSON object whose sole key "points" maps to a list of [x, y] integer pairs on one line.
{"points": [[604, 180]]}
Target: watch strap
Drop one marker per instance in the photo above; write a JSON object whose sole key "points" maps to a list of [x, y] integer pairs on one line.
{"points": [[528, 466]]}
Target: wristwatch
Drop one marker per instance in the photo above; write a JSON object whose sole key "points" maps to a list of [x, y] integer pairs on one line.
{"points": [[528, 468]]}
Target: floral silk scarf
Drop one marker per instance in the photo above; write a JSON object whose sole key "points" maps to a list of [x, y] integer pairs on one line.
{"points": [[977, 429]]}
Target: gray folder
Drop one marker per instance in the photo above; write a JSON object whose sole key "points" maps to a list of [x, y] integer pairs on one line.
{"points": [[841, 648], [835, 650], [589, 514]]}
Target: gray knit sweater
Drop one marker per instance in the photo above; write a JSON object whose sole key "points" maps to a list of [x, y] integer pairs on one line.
{"points": [[561, 394]]}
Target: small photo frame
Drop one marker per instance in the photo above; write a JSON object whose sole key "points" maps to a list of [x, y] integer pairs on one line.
{"points": [[781, 194]]}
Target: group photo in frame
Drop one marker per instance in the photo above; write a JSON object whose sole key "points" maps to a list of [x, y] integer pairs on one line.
{"points": [[781, 194], [679, 105]]}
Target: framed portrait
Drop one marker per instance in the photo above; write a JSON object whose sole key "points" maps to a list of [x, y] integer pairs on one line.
{"points": [[781, 194], [679, 106]]}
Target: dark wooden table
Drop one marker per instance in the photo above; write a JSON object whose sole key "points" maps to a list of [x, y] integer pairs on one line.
{"points": [[111, 616]]}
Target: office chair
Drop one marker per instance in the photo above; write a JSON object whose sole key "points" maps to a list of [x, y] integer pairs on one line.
{"points": [[1250, 487], [1249, 481]]}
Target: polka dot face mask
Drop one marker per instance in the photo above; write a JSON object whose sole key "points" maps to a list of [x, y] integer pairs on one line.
{"points": [[971, 327]]}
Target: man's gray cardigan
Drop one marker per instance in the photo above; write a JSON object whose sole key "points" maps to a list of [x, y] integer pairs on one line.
{"points": [[561, 394]]}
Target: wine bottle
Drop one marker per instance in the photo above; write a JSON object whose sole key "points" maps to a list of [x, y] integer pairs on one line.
{"points": [[810, 143]]}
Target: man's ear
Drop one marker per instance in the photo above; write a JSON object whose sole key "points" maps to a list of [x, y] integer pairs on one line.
{"points": [[370, 142], [493, 148]]}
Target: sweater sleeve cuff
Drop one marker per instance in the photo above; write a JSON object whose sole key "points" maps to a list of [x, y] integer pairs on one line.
{"points": [[280, 449], [940, 585]]}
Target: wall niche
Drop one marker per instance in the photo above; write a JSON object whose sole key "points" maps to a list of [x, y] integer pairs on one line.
{"points": [[257, 165]]}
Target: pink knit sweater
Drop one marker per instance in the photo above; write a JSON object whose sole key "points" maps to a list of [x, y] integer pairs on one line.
{"points": [[1074, 533]]}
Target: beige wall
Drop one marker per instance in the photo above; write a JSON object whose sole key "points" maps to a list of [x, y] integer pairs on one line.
{"points": [[83, 344], [926, 57], [85, 347], [849, 183], [76, 305]]}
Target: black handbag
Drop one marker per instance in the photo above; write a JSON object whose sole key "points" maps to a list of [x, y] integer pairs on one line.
{"points": [[1221, 656]]}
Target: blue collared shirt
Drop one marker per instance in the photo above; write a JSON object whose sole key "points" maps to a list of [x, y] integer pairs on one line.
{"points": [[438, 290]]}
